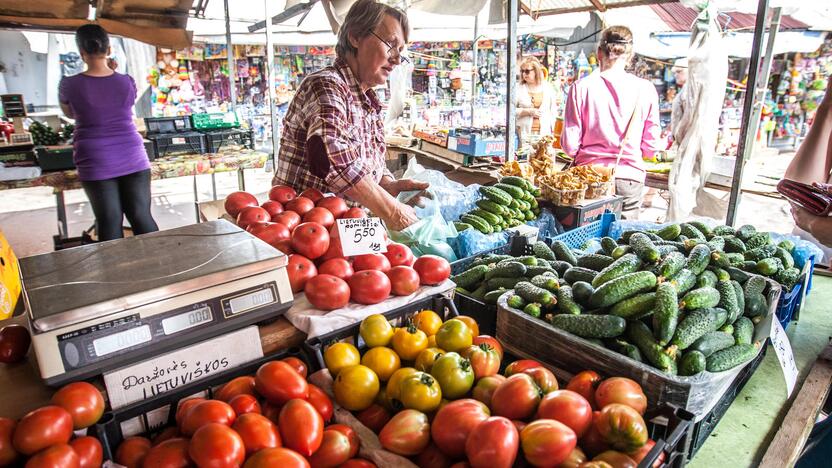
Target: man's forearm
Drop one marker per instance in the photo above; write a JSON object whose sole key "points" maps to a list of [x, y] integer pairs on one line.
{"points": [[373, 197]]}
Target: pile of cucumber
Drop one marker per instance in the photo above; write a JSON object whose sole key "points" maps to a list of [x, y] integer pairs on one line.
{"points": [[509, 203]]}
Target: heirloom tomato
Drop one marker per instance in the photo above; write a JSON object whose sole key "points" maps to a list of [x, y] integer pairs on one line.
{"points": [[300, 205], [282, 194], [432, 269], [428, 321], [371, 261], [454, 374], [471, 323], [341, 355], [409, 341], [547, 442], [639, 454], [432, 457], [271, 233], [621, 390], [374, 417], [375, 330], [327, 292], [83, 402], [393, 385], [336, 206], [574, 460], [278, 456], [321, 401], [399, 254], [568, 407], [454, 422], [425, 359], [485, 387], [312, 194], [279, 382], [421, 392], [616, 459], [592, 443], [622, 427], [516, 398], [544, 378], [369, 287], [216, 445], [42, 428], [352, 437], [585, 383], [383, 361], [454, 335], [335, 449], [356, 387], [336, 267], [310, 240], [301, 427], [236, 201], [520, 365], [300, 269], [404, 280], [407, 433], [489, 340], [484, 360], [493, 443]]}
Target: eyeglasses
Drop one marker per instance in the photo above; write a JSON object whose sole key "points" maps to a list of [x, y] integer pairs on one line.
{"points": [[527, 70], [393, 52]]}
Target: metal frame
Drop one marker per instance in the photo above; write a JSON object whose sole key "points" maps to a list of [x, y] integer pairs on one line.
{"points": [[511, 78]]}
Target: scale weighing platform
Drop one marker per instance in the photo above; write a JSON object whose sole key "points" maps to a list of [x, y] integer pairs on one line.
{"points": [[98, 307]]}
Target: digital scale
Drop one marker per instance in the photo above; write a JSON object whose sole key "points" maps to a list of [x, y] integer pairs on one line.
{"points": [[15, 109], [98, 307]]}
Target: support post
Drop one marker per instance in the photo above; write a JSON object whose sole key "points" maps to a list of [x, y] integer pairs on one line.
{"points": [[511, 78], [232, 68], [475, 68], [270, 79]]}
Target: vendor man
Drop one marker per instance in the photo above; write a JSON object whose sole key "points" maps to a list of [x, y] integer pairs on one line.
{"points": [[333, 132]]}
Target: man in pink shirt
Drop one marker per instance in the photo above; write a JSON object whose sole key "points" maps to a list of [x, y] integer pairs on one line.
{"points": [[612, 119]]}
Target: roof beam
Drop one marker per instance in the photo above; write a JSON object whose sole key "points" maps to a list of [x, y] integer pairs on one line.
{"points": [[560, 11], [286, 14], [598, 5]]}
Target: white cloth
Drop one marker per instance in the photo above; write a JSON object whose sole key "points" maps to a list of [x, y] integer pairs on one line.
{"points": [[18, 173], [548, 110]]}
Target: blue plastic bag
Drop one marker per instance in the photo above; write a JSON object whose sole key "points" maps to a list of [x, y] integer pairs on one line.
{"points": [[471, 242]]}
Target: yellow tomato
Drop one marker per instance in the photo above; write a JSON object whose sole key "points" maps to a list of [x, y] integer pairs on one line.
{"points": [[392, 389], [425, 359], [454, 335], [339, 356], [428, 321], [356, 388], [421, 392], [472, 324], [432, 341], [383, 361], [409, 342], [376, 331]]}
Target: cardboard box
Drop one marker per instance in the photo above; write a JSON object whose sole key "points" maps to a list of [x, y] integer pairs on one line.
{"points": [[441, 140], [571, 217], [9, 279], [477, 145], [213, 210]]}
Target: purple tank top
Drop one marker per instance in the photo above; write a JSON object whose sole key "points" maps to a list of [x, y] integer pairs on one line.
{"points": [[107, 144]]}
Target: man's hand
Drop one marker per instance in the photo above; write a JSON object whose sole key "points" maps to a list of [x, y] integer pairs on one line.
{"points": [[402, 217], [818, 226], [404, 185]]}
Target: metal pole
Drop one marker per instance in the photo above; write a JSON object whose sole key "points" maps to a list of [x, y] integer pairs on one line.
{"points": [[232, 68], [270, 79], [746, 142], [511, 78], [475, 68], [773, 28]]}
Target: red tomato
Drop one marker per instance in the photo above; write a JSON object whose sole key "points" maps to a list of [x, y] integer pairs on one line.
{"points": [[516, 398], [519, 366], [273, 207], [312, 194], [60, 455], [301, 427], [271, 457], [335, 205], [236, 201], [621, 390], [493, 443], [217, 445], [369, 287], [432, 269], [271, 411], [166, 434], [374, 417], [271, 233], [300, 270], [172, 453], [484, 388], [7, 452], [371, 262], [185, 406], [243, 385], [616, 459], [453, 423], [206, 412], [357, 463], [399, 254], [300, 205], [132, 451], [354, 212], [327, 292], [622, 426], [279, 382], [290, 219], [585, 383], [484, 360], [544, 378], [404, 280], [257, 432], [89, 451], [243, 404], [282, 193], [336, 267], [284, 246], [461, 465], [321, 216], [310, 240], [574, 460], [14, 343], [251, 215], [407, 433], [83, 402], [520, 425], [567, 407], [491, 341], [320, 400], [645, 449], [352, 437], [432, 457], [547, 442], [592, 442], [41, 428], [298, 365], [335, 449]]}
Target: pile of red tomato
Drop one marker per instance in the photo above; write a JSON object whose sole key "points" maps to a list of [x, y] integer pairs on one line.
{"points": [[303, 226], [274, 418], [44, 437]]}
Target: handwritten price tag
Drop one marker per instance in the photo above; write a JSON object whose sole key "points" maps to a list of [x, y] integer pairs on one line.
{"points": [[361, 236], [783, 349]]}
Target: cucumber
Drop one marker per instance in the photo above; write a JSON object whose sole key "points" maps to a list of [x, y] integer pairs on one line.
{"points": [[716, 244], [684, 281], [549, 283], [576, 274], [515, 301], [724, 230], [532, 293], [563, 253], [528, 215], [695, 325], [560, 266], [745, 232], [665, 313], [623, 287], [629, 263], [623, 347], [727, 328], [740, 295], [732, 357], [608, 244], [787, 245], [712, 342], [478, 223], [492, 207], [750, 266], [698, 259], [533, 271], [759, 253], [733, 244], [460, 226], [702, 227], [706, 279], [620, 251], [639, 335], [701, 298], [644, 248], [691, 232], [635, 307], [671, 264], [532, 309], [669, 232], [755, 285], [785, 257], [488, 216], [517, 182], [497, 283], [491, 296], [528, 260], [479, 293], [509, 269], [590, 326], [728, 300], [788, 277], [566, 302], [743, 330], [769, 266], [471, 277], [514, 191], [692, 363], [758, 240], [755, 305], [595, 261], [582, 291], [489, 259], [496, 195], [541, 250]]}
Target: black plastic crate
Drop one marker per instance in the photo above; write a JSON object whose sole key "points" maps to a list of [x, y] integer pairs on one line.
{"points": [[215, 140], [174, 143], [167, 125], [670, 428], [108, 430], [55, 159], [438, 303]]}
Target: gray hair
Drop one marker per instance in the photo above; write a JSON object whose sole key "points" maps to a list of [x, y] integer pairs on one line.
{"points": [[363, 17]]}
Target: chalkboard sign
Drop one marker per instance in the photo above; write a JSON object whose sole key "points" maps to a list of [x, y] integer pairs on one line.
{"points": [[13, 105]]}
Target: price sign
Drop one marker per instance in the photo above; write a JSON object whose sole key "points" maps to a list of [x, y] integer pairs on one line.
{"points": [[783, 349], [361, 236]]}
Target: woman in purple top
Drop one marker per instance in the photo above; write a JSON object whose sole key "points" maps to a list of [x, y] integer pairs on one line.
{"points": [[109, 152]]}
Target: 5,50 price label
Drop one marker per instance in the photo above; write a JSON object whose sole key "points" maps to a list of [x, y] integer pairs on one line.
{"points": [[361, 236]]}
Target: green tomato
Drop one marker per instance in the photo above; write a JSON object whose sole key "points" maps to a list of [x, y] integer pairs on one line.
{"points": [[454, 374], [454, 335]]}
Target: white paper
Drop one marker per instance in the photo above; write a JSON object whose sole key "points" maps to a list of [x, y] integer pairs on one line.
{"points": [[361, 236], [783, 349]]}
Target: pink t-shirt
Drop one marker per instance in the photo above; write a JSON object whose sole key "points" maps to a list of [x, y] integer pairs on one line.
{"points": [[598, 108]]}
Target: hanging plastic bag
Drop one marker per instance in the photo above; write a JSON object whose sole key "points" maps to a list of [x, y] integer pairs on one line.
{"points": [[445, 197], [429, 235]]}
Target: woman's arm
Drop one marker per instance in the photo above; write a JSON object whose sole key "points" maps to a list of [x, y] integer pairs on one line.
{"points": [[818, 226], [67, 110], [651, 135], [63, 98], [813, 160]]}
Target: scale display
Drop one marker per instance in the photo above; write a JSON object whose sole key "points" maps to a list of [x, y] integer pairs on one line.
{"points": [[187, 320], [122, 340], [249, 301]]}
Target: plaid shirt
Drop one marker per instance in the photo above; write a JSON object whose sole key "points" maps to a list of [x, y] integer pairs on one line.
{"points": [[333, 135]]}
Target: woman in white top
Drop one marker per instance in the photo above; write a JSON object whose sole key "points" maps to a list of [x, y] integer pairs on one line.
{"points": [[536, 103]]}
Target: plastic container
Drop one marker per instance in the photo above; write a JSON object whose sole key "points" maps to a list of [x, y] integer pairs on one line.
{"points": [[598, 190], [178, 143], [211, 121], [562, 197], [55, 159], [163, 125], [215, 140], [670, 427]]}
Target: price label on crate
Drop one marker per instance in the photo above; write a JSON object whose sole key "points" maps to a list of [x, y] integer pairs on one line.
{"points": [[361, 236], [783, 349]]}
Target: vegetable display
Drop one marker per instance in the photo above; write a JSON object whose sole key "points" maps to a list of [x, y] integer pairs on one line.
{"points": [[509, 203]]}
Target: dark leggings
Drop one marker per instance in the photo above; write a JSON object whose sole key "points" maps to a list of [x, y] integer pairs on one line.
{"points": [[112, 199]]}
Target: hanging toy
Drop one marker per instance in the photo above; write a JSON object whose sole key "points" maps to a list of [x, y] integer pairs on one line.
{"points": [[183, 72]]}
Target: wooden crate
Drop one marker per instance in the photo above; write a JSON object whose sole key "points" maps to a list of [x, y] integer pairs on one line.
{"points": [[525, 335]]}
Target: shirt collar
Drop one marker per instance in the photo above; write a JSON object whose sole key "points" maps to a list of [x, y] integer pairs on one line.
{"points": [[369, 97]]}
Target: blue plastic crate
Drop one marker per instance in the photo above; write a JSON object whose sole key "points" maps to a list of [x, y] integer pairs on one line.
{"points": [[791, 301], [595, 230]]}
